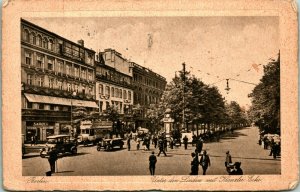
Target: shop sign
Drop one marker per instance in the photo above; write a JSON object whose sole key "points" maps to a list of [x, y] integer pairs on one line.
{"points": [[40, 124]]}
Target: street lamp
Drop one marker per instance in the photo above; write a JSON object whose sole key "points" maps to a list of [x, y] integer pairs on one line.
{"points": [[73, 94], [183, 99]]}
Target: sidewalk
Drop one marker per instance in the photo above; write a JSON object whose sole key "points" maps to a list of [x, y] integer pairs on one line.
{"points": [[33, 150]]}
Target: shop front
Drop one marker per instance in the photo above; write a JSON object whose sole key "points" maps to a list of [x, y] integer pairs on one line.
{"points": [[39, 131]]}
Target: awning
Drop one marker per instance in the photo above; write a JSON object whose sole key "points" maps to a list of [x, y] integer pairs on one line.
{"points": [[59, 101]]}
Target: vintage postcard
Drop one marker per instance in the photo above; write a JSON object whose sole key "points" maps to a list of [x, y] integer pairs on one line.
{"points": [[150, 95]]}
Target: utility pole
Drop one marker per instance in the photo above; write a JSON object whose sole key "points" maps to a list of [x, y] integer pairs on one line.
{"points": [[183, 99]]}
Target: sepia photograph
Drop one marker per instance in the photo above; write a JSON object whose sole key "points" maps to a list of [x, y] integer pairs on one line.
{"points": [[130, 95], [150, 96]]}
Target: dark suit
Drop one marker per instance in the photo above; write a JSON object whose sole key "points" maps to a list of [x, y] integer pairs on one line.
{"points": [[52, 159], [152, 162], [204, 162], [195, 166]]}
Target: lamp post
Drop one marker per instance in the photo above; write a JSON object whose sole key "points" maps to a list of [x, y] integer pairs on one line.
{"points": [[73, 94], [183, 98]]}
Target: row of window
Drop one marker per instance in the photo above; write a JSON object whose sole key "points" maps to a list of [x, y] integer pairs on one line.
{"points": [[147, 81], [50, 107], [39, 80], [38, 40], [145, 99], [114, 92], [59, 66], [48, 43], [113, 76]]}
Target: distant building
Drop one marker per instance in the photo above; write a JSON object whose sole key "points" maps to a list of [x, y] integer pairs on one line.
{"points": [[148, 88], [57, 76], [113, 82]]}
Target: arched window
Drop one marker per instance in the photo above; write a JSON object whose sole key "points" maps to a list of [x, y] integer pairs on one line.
{"points": [[32, 38], [112, 92], [129, 95], [39, 40], [45, 43], [125, 94], [101, 89], [26, 35], [50, 45], [107, 91]]}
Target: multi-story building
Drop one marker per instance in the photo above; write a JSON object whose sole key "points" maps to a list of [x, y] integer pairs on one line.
{"points": [[113, 82], [148, 88], [57, 76]]}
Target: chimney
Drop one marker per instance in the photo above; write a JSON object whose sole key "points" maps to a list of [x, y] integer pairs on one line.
{"points": [[81, 42]]}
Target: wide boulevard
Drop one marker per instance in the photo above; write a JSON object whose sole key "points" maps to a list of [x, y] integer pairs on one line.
{"points": [[242, 144]]}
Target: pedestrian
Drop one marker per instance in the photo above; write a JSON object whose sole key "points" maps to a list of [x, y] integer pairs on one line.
{"points": [[152, 162], [275, 149], [272, 146], [265, 140], [155, 141], [204, 162], [185, 142], [148, 143], [194, 141], [165, 144], [171, 143], [237, 169], [161, 147], [32, 140], [194, 165], [228, 161], [199, 145], [52, 159], [138, 144], [128, 143]]}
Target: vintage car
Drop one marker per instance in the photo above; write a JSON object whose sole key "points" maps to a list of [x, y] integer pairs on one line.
{"points": [[109, 144], [60, 143]]}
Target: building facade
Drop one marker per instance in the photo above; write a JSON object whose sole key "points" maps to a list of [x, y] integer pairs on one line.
{"points": [[57, 77], [113, 82], [148, 88]]}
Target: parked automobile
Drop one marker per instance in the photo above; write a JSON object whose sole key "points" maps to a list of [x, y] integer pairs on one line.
{"points": [[109, 144], [61, 143]]}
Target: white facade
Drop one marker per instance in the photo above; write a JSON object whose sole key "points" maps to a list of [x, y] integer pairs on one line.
{"points": [[107, 94]]}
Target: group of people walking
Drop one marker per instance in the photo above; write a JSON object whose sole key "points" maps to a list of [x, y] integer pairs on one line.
{"points": [[274, 147], [231, 168]]}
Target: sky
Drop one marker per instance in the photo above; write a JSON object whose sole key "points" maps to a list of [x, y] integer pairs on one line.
{"points": [[213, 48]]}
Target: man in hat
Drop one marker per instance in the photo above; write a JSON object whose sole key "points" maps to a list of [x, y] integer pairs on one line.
{"points": [[204, 162], [194, 165], [161, 147], [152, 162], [185, 142], [52, 159], [199, 145], [237, 169], [228, 160]]}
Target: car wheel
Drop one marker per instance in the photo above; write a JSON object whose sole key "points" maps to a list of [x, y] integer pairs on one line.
{"points": [[121, 146], [98, 148], [74, 151], [42, 155]]}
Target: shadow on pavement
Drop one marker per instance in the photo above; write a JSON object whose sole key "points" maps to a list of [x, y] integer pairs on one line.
{"points": [[86, 146], [30, 156], [71, 155], [64, 172], [234, 157], [113, 150]]}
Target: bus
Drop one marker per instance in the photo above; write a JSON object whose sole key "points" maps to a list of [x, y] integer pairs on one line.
{"points": [[93, 132]]}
